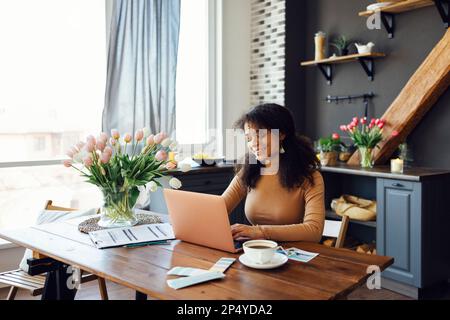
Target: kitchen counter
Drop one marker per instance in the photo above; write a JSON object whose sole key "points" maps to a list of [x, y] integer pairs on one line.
{"points": [[410, 174]]}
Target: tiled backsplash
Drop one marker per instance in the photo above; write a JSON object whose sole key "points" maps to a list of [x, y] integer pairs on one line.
{"points": [[267, 71]]}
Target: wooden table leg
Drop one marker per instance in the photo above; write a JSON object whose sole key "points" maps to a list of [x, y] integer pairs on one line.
{"points": [[141, 296], [102, 288]]}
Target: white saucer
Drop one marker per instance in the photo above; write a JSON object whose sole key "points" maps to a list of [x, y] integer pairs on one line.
{"points": [[277, 261]]}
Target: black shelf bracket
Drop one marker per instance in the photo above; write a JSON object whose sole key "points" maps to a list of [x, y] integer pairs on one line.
{"points": [[388, 20], [443, 7], [327, 72], [368, 66]]}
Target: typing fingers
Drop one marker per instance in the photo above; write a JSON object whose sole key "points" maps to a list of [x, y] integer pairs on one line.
{"points": [[239, 235], [235, 228]]}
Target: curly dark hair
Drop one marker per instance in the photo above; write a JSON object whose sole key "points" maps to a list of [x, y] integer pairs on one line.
{"points": [[299, 161]]}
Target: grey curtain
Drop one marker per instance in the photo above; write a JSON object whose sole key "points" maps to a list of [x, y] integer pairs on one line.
{"points": [[142, 61]]}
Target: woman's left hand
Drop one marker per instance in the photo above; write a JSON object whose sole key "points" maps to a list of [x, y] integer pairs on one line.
{"points": [[244, 231]]}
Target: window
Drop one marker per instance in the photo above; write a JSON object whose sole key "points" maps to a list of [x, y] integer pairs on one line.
{"points": [[39, 144], [52, 80], [198, 69]]}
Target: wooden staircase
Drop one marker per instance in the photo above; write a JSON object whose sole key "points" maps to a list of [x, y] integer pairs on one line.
{"points": [[421, 92]]}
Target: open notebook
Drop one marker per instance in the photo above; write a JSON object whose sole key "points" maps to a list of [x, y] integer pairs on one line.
{"points": [[110, 238]]}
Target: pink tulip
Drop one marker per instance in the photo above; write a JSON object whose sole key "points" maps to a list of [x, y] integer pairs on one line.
{"points": [[67, 163], [373, 121], [170, 166], [371, 125], [336, 136], [74, 150], [127, 138], [364, 121], [103, 137], [161, 155], [158, 138], [139, 135], [115, 134], [105, 157], [88, 162], [395, 133], [90, 146], [113, 141], [101, 145], [377, 121], [343, 128], [355, 119], [80, 145], [381, 125], [151, 140], [108, 150], [91, 139]]}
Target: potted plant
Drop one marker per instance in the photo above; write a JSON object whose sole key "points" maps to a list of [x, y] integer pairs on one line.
{"points": [[366, 136], [329, 148], [341, 44], [346, 152], [122, 168]]}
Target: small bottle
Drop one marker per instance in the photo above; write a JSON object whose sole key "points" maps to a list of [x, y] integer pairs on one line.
{"points": [[319, 41]]}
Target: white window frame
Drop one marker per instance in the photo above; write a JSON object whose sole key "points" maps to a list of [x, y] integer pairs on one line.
{"points": [[57, 161], [215, 106], [214, 90]]}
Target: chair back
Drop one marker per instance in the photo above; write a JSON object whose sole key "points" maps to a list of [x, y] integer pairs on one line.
{"points": [[336, 229], [49, 206]]}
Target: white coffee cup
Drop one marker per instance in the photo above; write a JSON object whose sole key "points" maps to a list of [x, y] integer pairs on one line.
{"points": [[260, 251]]}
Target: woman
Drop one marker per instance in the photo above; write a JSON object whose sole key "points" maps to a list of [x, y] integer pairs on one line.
{"points": [[289, 204]]}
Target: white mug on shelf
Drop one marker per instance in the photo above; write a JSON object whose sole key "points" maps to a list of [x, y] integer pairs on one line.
{"points": [[365, 48]]}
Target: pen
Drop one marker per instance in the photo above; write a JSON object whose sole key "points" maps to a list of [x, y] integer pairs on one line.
{"points": [[143, 244]]}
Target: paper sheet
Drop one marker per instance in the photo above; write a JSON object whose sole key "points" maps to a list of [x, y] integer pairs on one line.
{"points": [[299, 255], [119, 237], [189, 281], [193, 276]]}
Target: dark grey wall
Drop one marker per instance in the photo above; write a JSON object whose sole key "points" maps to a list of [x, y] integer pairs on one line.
{"points": [[416, 34]]}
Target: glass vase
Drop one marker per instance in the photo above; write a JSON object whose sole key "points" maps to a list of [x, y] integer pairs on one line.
{"points": [[117, 210], [366, 157]]}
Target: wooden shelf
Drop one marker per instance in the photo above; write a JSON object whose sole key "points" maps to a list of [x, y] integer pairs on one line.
{"points": [[343, 59], [365, 59], [330, 214], [400, 7], [387, 14]]}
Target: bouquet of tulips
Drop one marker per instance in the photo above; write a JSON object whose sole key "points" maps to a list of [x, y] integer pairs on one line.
{"points": [[366, 136], [122, 167]]}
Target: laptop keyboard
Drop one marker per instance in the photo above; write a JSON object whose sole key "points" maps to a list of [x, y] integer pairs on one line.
{"points": [[238, 244]]}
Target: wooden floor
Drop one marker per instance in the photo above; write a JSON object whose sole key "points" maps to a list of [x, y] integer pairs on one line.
{"points": [[89, 291]]}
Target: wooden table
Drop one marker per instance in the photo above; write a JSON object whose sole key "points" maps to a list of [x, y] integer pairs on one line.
{"points": [[332, 275]]}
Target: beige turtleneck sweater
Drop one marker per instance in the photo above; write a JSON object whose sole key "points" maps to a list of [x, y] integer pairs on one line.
{"points": [[283, 215]]}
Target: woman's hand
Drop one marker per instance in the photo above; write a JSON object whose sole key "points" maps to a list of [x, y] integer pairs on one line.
{"points": [[244, 231]]}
